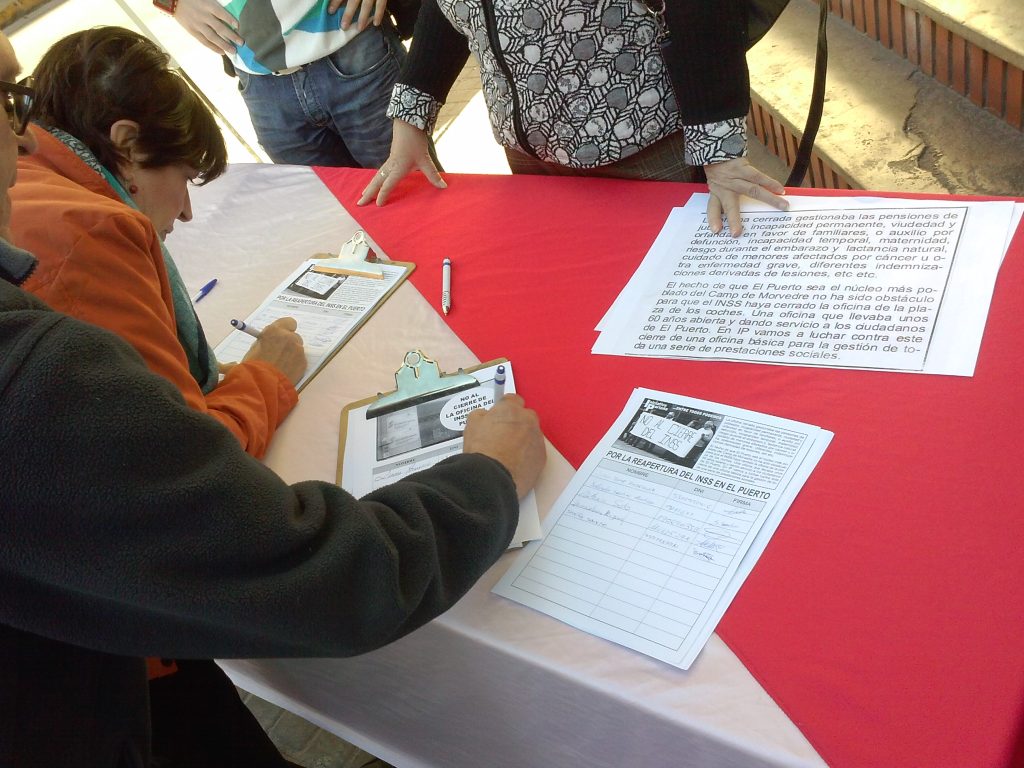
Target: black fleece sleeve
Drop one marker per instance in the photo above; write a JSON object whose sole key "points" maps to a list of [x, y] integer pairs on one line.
{"points": [[707, 58], [437, 54], [134, 525]]}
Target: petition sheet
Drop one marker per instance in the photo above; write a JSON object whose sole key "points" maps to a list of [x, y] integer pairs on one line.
{"points": [[386, 448], [328, 309], [873, 283], [653, 537]]}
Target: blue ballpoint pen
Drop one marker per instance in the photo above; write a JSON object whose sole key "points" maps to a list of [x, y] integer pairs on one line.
{"points": [[204, 290]]}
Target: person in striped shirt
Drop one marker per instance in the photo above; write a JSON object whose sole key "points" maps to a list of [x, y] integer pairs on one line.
{"points": [[316, 75]]}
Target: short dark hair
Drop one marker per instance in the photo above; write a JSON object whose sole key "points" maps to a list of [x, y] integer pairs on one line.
{"points": [[91, 79]]}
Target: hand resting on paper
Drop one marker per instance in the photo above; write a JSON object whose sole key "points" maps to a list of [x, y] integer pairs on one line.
{"points": [[509, 433], [280, 346], [732, 178]]}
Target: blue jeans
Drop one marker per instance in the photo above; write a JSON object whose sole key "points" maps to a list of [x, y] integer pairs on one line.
{"points": [[330, 112]]}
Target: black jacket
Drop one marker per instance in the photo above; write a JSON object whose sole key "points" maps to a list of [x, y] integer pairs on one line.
{"points": [[132, 526]]}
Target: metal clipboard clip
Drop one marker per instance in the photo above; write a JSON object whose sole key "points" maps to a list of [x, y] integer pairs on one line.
{"points": [[354, 258], [417, 381]]}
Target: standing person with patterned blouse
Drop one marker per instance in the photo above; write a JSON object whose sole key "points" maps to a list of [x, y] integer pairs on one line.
{"points": [[590, 89], [315, 75]]}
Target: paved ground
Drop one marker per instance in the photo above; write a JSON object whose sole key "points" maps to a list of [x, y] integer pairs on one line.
{"points": [[302, 742]]}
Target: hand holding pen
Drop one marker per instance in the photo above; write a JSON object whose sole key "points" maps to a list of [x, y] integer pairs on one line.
{"points": [[279, 345]]}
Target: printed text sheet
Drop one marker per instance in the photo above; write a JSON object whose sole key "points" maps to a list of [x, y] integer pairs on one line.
{"points": [[652, 538], [900, 285]]}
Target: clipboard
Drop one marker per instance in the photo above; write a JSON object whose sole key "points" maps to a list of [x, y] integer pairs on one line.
{"points": [[418, 380], [324, 333], [418, 406]]}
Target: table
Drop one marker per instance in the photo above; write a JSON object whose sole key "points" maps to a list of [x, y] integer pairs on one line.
{"points": [[884, 617]]}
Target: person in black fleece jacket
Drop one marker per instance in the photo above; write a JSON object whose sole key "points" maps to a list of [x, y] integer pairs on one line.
{"points": [[133, 526]]}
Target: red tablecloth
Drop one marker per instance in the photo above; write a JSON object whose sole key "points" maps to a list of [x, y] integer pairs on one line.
{"points": [[887, 615]]}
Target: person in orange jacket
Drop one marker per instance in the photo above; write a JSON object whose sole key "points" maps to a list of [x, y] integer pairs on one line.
{"points": [[120, 137]]}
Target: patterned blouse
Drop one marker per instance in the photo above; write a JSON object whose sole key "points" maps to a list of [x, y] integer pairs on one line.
{"points": [[579, 83]]}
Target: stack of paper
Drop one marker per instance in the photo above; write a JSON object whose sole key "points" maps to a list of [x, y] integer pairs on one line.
{"points": [[852, 282], [658, 529]]}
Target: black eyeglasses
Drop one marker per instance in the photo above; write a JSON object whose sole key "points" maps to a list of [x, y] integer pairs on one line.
{"points": [[19, 98]]}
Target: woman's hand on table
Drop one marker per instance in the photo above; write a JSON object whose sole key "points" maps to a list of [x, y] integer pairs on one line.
{"points": [[209, 23], [409, 152], [509, 433], [280, 346], [732, 178]]}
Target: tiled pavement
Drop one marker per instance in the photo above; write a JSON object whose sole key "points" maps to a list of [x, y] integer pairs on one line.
{"points": [[302, 742]]}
